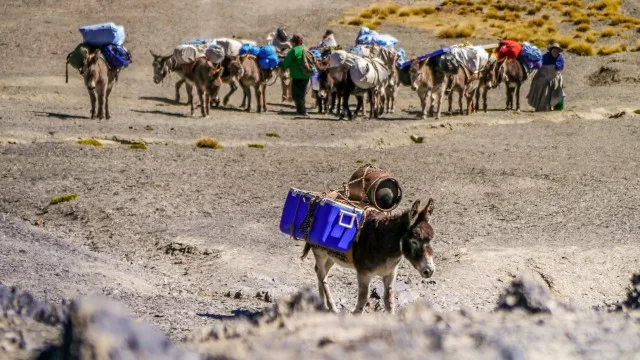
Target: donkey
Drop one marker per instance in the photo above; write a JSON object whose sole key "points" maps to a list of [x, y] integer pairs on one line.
{"points": [[429, 84], [246, 69], [391, 90], [511, 72], [344, 87], [99, 79], [487, 81], [382, 242], [465, 84], [326, 92], [163, 66], [208, 81]]}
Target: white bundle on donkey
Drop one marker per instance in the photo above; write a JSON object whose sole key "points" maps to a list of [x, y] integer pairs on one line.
{"points": [[348, 227], [368, 73]]}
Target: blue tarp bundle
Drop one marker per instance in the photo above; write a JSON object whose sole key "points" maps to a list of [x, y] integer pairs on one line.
{"points": [[434, 53], [531, 55], [249, 49], [370, 37], [316, 53], [268, 57], [198, 42], [117, 56], [102, 34]]}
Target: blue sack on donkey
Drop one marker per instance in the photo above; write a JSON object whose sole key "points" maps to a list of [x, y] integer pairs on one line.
{"points": [[532, 55], [102, 34], [249, 49], [268, 57], [117, 56]]}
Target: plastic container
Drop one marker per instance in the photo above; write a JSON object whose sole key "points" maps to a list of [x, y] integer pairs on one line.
{"points": [[333, 225], [102, 34]]}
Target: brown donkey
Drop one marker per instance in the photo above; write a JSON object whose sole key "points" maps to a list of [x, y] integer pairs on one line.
{"points": [[246, 69], [510, 72], [382, 242], [465, 84], [99, 79], [429, 84], [207, 80], [487, 82], [163, 66]]}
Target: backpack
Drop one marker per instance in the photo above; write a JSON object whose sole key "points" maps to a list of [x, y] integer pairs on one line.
{"points": [[77, 57], [117, 56], [445, 63], [308, 62]]}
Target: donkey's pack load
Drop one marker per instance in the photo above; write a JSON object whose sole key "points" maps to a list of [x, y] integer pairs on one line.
{"points": [[108, 38], [332, 220]]}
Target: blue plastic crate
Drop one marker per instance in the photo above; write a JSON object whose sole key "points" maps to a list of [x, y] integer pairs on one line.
{"points": [[335, 225]]}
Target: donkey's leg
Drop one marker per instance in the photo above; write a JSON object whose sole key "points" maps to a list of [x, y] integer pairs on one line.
{"points": [[460, 96], [484, 99], [102, 94], [450, 112], [233, 87], [518, 97], [247, 95], [189, 87], [106, 102], [364, 279], [264, 97], [325, 285], [509, 98], [178, 85], [256, 89], [92, 97], [423, 104], [389, 294]]}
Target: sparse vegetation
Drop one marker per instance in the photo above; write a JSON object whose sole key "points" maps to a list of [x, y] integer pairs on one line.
{"points": [[537, 22], [149, 128], [582, 49], [63, 198], [457, 31], [210, 143], [273, 135], [608, 50], [256, 146], [637, 111], [138, 146], [90, 142], [608, 32]]}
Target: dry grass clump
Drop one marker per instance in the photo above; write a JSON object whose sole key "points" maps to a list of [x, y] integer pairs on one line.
{"points": [[356, 22], [536, 22], [583, 28], [209, 143], [582, 49], [138, 146], [494, 15], [608, 32], [63, 198], [423, 11], [404, 13], [564, 41], [464, 30], [91, 142], [551, 29], [590, 39], [608, 50], [610, 5], [577, 36], [635, 48]]}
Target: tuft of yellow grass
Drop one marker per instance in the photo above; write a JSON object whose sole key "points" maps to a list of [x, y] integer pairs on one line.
{"points": [[209, 143], [462, 31], [608, 50], [356, 22], [608, 32], [536, 22], [90, 142], [582, 49], [583, 28], [590, 39], [63, 198]]}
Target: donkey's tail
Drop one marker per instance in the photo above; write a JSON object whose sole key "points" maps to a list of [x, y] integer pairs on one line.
{"points": [[305, 251], [67, 73]]}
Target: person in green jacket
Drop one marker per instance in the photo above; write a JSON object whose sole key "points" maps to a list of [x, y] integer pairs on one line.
{"points": [[300, 80]]}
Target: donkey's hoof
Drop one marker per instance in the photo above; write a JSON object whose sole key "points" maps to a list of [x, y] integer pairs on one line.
{"points": [[108, 116]]}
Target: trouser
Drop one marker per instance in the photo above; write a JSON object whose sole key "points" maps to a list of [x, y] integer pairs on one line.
{"points": [[298, 93]]}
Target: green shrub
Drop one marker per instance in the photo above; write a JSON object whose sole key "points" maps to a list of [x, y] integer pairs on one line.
{"points": [[273, 135], [138, 146], [63, 198], [91, 142], [256, 146]]}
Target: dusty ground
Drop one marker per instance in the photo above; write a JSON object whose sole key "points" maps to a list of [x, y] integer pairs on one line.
{"points": [[555, 193]]}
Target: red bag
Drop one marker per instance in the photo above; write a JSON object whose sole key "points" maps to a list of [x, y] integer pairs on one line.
{"points": [[509, 49]]}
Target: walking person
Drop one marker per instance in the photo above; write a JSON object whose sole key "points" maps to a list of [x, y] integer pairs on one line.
{"points": [[300, 81], [546, 92]]}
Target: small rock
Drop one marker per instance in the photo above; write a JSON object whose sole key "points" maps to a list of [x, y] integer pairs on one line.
{"points": [[324, 342], [237, 295], [374, 294], [417, 139], [228, 294]]}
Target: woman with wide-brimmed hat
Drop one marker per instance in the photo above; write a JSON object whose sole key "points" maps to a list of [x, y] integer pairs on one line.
{"points": [[546, 92]]}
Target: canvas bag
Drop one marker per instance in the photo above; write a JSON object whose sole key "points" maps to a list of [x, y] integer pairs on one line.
{"points": [[185, 54], [308, 62]]}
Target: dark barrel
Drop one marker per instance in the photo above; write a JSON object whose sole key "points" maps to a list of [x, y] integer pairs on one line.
{"points": [[375, 187]]}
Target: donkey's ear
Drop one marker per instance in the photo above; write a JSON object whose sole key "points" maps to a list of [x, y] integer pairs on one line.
{"points": [[414, 212], [428, 210], [153, 54]]}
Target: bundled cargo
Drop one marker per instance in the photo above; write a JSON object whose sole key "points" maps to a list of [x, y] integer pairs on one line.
{"points": [[117, 56], [341, 58], [509, 49], [231, 47], [102, 34], [248, 48], [320, 220], [199, 42], [215, 53], [79, 55], [268, 57], [375, 187], [367, 73], [185, 54], [474, 58], [370, 37], [531, 55]]}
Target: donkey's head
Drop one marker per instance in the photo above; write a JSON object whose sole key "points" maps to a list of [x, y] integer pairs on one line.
{"points": [[490, 73], [417, 73], [416, 242], [161, 67], [235, 67], [91, 69]]}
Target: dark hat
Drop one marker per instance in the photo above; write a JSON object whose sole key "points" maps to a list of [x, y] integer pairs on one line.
{"points": [[556, 46], [296, 39]]}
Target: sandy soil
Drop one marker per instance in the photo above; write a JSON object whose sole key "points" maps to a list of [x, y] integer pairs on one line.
{"points": [[557, 193]]}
